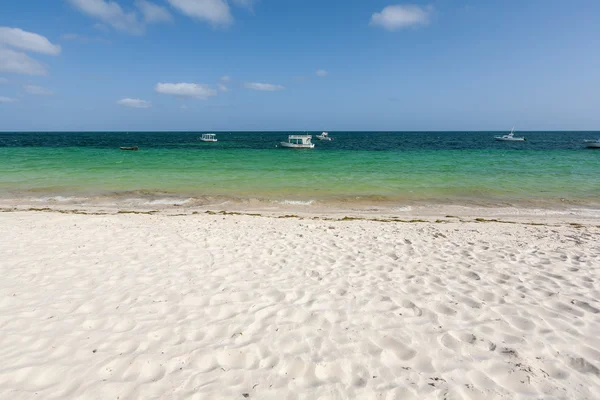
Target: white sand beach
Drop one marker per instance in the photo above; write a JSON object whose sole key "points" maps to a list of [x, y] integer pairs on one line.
{"points": [[136, 306]]}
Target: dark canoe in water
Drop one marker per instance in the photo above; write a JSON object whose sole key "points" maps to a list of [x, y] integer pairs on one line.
{"points": [[129, 148]]}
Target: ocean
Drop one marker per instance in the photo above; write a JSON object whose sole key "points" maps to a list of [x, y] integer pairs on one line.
{"points": [[550, 169]]}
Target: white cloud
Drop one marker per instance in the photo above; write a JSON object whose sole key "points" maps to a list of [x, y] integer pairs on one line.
{"points": [[401, 16], [185, 90], [20, 39], [37, 90], [153, 13], [110, 13], [134, 103], [6, 99], [223, 88], [265, 87], [216, 12], [322, 72], [19, 63], [225, 78]]}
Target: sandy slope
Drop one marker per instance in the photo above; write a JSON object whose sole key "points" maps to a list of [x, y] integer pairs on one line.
{"points": [[209, 307]]}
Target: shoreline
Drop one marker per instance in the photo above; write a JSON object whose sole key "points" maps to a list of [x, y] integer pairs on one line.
{"points": [[406, 214]]}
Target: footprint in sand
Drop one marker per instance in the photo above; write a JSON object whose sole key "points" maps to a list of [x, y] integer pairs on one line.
{"points": [[585, 306], [473, 275], [417, 312], [582, 365], [445, 310]]}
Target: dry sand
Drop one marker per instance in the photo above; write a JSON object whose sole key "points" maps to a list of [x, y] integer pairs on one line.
{"points": [[234, 307]]}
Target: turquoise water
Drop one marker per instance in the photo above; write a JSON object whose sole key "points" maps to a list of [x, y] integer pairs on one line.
{"points": [[366, 167]]}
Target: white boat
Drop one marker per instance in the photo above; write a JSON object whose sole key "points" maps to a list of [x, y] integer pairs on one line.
{"points": [[299, 142], [208, 137], [510, 137], [592, 144], [324, 136]]}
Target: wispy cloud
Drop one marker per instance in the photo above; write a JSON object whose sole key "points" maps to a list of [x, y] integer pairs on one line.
{"points": [[71, 36], [216, 12], [321, 73], [3, 80], [249, 4], [17, 62], [101, 27], [6, 99], [28, 41], [83, 38], [134, 103], [402, 16], [153, 13], [37, 90], [265, 87], [194, 90], [225, 79], [111, 14]]}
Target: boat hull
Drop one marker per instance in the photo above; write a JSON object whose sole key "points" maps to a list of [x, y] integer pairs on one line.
{"points": [[209, 140], [595, 145], [297, 146], [129, 148], [327, 139], [500, 139]]}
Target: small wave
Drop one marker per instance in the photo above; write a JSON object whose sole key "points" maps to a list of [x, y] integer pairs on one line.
{"points": [[587, 212], [175, 202], [58, 199], [295, 202]]}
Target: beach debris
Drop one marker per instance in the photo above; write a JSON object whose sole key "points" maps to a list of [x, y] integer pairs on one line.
{"points": [[508, 351]]}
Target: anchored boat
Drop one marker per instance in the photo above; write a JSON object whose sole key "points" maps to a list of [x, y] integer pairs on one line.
{"points": [[209, 137], [299, 142], [324, 136], [510, 137], [592, 144]]}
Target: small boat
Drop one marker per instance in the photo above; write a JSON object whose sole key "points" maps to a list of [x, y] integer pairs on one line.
{"points": [[324, 136], [510, 137], [134, 148], [299, 142], [209, 137], [592, 144]]}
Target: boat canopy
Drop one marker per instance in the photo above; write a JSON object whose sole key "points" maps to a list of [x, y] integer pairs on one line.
{"points": [[300, 137]]}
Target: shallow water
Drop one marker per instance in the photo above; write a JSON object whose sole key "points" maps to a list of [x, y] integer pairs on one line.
{"points": [[362, 167]]}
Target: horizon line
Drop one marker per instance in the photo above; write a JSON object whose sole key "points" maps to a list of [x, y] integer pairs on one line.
{"points": [[292, 130]]}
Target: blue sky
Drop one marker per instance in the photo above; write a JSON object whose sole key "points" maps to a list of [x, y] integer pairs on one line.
{"points": [[299, 65]]}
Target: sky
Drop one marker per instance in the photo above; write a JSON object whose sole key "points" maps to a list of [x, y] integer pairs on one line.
{"points": [[202, 65]]}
